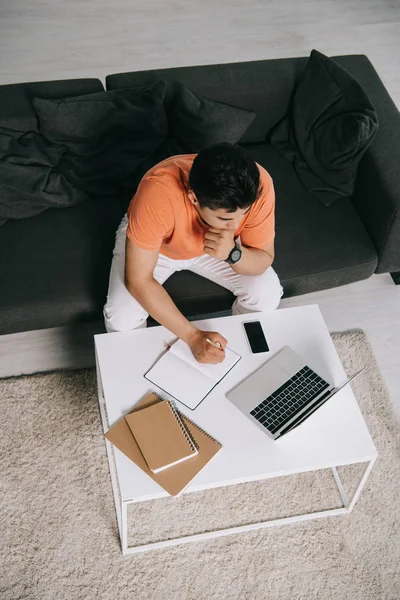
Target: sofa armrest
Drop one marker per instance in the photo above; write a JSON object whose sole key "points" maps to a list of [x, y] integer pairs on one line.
{"points": [[377, 191]]}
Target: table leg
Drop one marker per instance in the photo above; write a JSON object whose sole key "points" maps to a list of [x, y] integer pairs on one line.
{"points": [[342, 492], [349, 504], [124, 527], [111, 461]]}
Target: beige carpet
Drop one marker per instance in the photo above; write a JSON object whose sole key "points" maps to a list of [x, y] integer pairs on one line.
{"points": [[58, 532]]}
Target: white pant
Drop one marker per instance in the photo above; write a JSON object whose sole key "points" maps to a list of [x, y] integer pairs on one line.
{"points": [[122, 312]]}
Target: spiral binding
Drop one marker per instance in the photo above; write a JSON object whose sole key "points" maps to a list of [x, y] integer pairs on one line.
{"points": [[185, 432], [202, 430], [179, 419]]}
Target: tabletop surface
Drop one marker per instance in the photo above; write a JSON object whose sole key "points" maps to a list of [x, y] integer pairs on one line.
{"points": [[334, 435]]}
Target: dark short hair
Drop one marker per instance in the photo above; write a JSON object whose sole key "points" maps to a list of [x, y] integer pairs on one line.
{"points": [[225, 176]]}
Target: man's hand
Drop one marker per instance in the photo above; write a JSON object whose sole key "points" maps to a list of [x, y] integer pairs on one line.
{"points": [[203, 351], [219, 243]]}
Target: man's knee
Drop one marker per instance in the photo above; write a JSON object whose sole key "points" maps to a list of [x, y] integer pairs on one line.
{"points": [[270, 291], [270, 300], [123, 320], [263, 293], [266, 300]]}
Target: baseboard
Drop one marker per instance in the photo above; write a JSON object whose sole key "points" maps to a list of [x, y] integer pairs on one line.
{"points": [[48, 349], [55, 349]]}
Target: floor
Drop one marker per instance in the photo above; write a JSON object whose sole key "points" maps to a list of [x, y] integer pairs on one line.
{"points": [[52, 39]]}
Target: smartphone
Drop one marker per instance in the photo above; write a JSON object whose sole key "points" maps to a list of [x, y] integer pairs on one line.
{"points": [[255, 336]]}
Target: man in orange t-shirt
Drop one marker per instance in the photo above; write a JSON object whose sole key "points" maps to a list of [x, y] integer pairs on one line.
{"points": [[211, 213]]}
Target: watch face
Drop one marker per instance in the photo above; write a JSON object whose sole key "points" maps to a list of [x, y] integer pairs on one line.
{"points": [[235, 256]]}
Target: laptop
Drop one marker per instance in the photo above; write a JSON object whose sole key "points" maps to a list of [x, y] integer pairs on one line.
{"points": [[282, 393]]}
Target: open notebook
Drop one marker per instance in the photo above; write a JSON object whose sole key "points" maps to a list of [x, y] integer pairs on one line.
{"points": [[179, 374]]}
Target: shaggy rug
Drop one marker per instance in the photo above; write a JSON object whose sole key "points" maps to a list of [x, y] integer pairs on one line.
{"points": [[58, 530]]}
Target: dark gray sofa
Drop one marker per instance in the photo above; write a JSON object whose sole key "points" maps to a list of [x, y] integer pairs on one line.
{"points": [[55, 265]]}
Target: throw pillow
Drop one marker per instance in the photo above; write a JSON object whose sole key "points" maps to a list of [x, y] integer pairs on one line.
{"points": [[194, 123], [330, 124], [107, 134]]}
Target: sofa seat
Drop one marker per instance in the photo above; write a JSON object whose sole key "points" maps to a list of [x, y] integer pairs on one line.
{"points": [[56, 266]]}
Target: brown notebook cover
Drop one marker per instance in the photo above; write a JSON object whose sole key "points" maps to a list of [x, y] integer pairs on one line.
{"points": [[175, 479], [161, 436]]}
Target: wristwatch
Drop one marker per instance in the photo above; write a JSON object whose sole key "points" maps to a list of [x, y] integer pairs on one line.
{"points": [[234, 255]]}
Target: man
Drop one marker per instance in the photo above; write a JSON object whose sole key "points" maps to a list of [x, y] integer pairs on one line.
{"points": [[211, 213]]}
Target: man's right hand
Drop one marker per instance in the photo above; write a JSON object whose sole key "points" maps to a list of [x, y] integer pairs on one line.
{"points": [[139, 280], [203, 351]]}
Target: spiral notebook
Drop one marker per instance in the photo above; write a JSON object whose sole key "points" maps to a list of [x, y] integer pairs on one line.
{"points": [[161, 436], [176, 479]]}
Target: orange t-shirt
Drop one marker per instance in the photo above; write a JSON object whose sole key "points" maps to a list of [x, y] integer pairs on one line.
{"points": [[162, 217]]}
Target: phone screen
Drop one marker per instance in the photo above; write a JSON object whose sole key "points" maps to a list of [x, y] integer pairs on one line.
{"points": [[256, 337]]}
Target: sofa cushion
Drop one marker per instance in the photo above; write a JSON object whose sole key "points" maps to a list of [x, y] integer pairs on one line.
{"points": [[108, 134], [195, 295], [195, 122], [315, 248], [92, 116], [329, 126], [57, 267], [16, 108]]}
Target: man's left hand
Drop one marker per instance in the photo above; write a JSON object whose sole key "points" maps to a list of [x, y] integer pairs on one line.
{"points": [[219, 243]]}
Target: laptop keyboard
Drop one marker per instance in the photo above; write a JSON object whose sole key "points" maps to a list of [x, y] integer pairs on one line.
{"points": [[289, 399]]}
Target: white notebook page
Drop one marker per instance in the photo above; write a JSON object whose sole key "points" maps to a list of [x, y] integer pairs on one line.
{"points": [[181, 376], [215, 372]]}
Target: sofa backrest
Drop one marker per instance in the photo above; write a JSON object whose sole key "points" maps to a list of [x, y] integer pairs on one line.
{"points": [[263, 86], [16, 108]]}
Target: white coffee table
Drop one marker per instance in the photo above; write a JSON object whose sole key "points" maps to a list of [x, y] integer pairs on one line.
{"points": [[335, 435]]}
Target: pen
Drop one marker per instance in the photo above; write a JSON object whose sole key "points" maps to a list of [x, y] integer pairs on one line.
{"points": [[215, 344]]}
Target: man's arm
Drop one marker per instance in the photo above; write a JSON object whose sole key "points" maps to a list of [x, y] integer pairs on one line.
{"points": [[139, 280], [255, 261], [219, 243]]}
